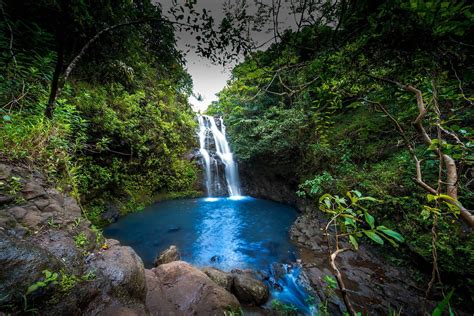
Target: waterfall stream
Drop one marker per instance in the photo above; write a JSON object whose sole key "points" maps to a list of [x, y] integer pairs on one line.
{"points": [[215, 150]]}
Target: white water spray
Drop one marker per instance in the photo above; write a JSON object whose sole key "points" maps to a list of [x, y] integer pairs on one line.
{"points": [[207, 124]]}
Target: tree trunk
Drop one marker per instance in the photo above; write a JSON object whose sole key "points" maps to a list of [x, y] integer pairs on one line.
{"points": [[55, 82], [58, 83]]}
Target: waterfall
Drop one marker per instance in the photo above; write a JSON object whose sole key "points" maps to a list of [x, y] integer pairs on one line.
{"points": [[204, 153], [218, 150]]}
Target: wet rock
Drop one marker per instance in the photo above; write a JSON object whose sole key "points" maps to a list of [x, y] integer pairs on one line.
{"points": [[220, 277], [122, 266], [174, 229], [177, 288], [33, 190], [249, 290], [217, 258], [21, 265], [60, 244], [166, 256]]}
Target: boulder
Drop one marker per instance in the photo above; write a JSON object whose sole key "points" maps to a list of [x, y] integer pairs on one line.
{"points": [[220, 277], [166, 256], [122, 266], [249, 290], [178, 288]]}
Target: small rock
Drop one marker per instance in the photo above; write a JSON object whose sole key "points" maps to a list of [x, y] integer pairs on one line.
{"points": [[5, 171], [169, 255], [217, 258], [249, 290], [7, 221], [5, 199], [174, 229], [220, 277], [32, 219], [32, 190], [18, 212], [41, 203], [53, 208]]}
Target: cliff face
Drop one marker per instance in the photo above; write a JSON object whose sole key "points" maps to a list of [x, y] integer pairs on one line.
{"points": [[261, 181], [53, 261]]}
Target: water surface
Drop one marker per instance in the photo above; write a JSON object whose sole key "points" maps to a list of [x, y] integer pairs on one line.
{"points": [[223, 232]]}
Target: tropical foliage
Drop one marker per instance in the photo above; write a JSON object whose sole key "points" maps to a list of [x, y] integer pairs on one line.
{"points": [[330, 108], [121, 125]]}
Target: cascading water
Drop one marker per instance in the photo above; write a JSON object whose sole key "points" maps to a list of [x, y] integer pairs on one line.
{"points": [[215, 151], [204, 153]]}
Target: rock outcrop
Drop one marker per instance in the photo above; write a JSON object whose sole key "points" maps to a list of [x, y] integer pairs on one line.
{"points": [[168, 255], [178, 288], [375, 285], [42, 232]]}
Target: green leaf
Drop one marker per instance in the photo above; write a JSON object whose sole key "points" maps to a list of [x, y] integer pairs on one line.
{"points": [[353, 241], [369, 219], [438, 311], [331, 281], [391, 233], [357, 193], [7, 118], [373, 236]]}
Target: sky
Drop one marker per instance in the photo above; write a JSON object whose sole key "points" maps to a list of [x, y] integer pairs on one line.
{"points": [[209, 78]]}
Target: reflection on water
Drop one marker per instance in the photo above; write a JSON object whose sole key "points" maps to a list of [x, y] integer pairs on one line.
{"points": [[237, 232]]}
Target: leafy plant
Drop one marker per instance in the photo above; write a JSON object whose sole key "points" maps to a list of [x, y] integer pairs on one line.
{"points": [[49, 278], [350, 219], [288, 309], [81, 240]]}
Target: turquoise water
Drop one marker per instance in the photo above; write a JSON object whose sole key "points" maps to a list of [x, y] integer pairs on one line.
{"points": [[223, 232]]}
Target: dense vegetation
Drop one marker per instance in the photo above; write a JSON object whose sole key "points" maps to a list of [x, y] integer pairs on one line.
{"points": [[120, 126], [329, 109]]}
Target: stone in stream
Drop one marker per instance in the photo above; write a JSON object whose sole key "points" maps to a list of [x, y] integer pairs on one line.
{"points": [[169, 255], [220, 277], [177, 288], [217, 258], [174, 229], [248, 289]]}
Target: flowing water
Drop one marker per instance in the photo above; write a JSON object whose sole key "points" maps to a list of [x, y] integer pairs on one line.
{"points": [[213, 146]]}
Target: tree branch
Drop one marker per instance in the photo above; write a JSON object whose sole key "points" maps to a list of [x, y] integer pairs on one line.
{"points": [[451, 169]]}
